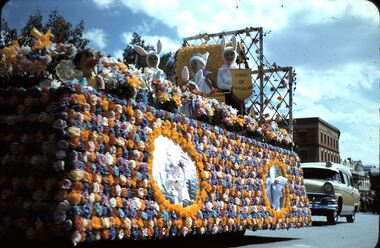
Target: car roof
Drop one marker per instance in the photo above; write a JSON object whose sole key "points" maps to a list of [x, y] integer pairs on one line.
{"points": [[326, 165]]}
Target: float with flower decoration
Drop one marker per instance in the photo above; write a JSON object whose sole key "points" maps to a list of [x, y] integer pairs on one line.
{"points": [[94, 149]]}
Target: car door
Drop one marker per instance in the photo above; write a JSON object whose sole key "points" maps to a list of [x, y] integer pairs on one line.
{"points": [[348, 195]]}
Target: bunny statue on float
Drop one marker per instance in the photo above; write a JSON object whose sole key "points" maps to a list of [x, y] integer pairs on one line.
{"points": [[198, 64], [224, 80], [153, 60]]}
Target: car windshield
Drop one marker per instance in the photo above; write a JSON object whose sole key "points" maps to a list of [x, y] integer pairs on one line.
{"points": [[324, 174]]}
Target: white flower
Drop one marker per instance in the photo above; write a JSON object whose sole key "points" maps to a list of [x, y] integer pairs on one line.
{"points": [[24, 50]]}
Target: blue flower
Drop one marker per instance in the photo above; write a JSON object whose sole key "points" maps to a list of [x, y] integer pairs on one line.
{"points": [[135, 233], [116, 171], [165, 215], [120, 212], [144, 216], [87, 210], [89, 237], [99, 209], [112, 233], [173, 231]]}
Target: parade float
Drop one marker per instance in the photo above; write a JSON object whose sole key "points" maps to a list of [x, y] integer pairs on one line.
{"points": [[94, 149]]}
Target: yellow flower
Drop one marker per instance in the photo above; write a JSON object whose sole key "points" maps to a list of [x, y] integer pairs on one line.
{"points": [[162, 97], [133, 81], [9, 53], [176, 99], [43, 40]]}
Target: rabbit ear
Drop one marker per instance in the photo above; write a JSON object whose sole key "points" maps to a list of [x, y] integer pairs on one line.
{"points": [[223, 43], [159, 47], [234, 42], [140, 50], [205, 56], [185, 74], [199, 76]]}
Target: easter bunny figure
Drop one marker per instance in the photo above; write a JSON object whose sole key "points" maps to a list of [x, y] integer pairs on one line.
{"points": [[153, 60], [198, 65], [224, 74]]}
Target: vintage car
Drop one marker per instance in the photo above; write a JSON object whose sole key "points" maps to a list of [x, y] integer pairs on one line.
{"points": [[330, 190]]}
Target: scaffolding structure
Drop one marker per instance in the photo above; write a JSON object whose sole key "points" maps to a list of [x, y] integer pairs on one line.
{"points": [[273, 86]]}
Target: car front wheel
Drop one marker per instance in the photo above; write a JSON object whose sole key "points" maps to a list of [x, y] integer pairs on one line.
{"points": [[332, 218], [351, 218]]}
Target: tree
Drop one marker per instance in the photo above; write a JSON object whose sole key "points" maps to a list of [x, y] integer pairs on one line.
{"points": [[34, 20], [167, 63], [131, 56], [7, 35], [61, 28]]}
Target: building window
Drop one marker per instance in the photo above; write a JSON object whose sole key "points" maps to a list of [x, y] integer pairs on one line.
{"points": [[324, 138], [302, 136], [321, 137], [322, 156]]}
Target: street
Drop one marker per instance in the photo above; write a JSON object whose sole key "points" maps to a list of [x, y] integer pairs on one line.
{"points": [[362, 233]]}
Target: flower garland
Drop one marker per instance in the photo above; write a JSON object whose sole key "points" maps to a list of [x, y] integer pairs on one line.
{"points": [[186, 145], [280, 214]]}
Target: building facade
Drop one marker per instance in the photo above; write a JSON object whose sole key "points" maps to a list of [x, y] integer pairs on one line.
{"points": [[360, 174], [316, 140]]}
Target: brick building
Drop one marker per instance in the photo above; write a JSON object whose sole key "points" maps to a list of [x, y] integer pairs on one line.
{"points": [[316, 140]]}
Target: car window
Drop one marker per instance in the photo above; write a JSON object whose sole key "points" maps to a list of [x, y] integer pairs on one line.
{"points": [[346, 179], [324, 174]]}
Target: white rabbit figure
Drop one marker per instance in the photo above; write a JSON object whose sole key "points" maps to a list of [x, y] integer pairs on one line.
{"points": [[200, 80], [176, 182], [224, 80], [198, 65], [153, 60]]}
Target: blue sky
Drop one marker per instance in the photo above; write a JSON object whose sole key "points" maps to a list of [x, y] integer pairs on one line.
{"points": [[333, 45]]}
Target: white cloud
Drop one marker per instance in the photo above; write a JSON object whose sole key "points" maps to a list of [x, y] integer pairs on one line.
{"points": [[118, 54], [193, 17], [103, 3], [168, 45], [97, 37], [344, 96]]}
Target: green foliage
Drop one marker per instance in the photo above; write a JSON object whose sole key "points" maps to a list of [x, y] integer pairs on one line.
{"points": [[61, 28]]}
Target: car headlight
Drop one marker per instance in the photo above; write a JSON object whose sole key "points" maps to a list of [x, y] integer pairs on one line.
{"points": [[328, 188]]}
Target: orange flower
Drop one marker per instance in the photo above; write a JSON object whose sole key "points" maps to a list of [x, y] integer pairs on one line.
{"points": [[105, 104], [130, 111], [111, 122], [176, 99], [87, 116], [96, 222], [105, 234], [131, 144], [133, 81], [84, 134], [10, 52], [162, 97], [122, 66], [149, 116], [117, 222], [74, 198]]}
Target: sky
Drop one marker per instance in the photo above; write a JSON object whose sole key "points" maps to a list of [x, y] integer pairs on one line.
{"points": [[333, 45]]}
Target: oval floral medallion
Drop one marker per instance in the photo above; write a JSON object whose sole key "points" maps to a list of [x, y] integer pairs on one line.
{"points": [[175, 168], [175, 172], [276, 184]]}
